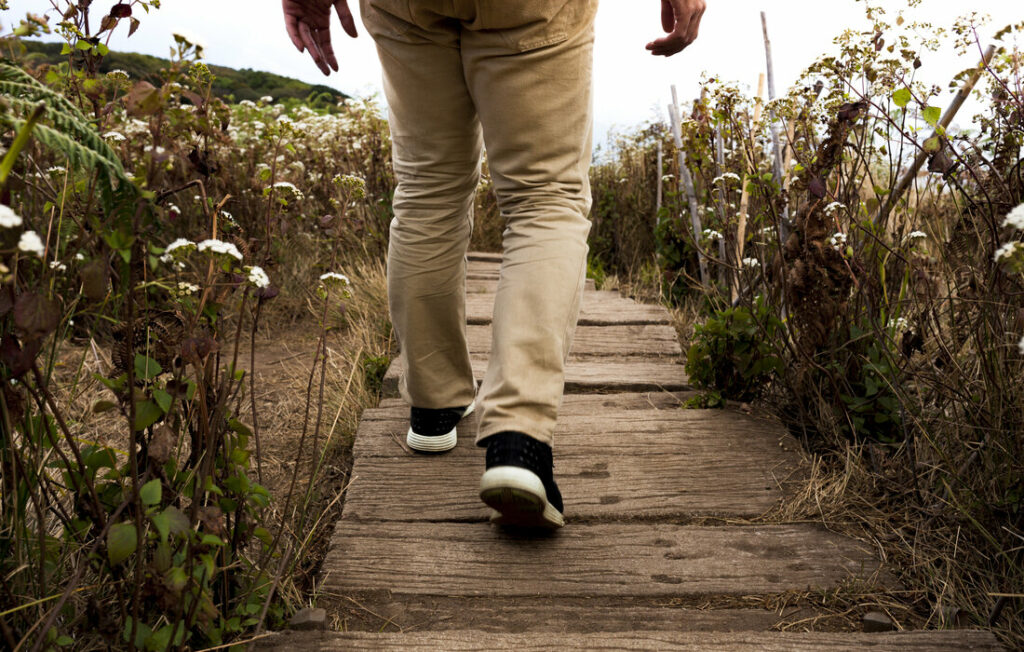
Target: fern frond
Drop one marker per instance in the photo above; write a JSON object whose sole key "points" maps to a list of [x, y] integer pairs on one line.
{"points": [[69, 125], [78, 154], [27, 84]]}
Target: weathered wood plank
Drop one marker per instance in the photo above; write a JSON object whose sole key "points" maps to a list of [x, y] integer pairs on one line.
{"points": [[474, 641], [487, 283], [474, 559], [573, 405], [590, 341], [381, 612], [610, 463], [598, 308], [608, 374], [484, 256]]}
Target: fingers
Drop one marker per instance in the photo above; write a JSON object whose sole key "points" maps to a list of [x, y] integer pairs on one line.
{"points": [[668, 16], [345, 16], [291, 23], [313, 47], [686, 16], [323, 40]]}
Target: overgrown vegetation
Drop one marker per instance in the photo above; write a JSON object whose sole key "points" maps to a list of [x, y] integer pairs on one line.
{"points": [[147, 231], [883, 321]]}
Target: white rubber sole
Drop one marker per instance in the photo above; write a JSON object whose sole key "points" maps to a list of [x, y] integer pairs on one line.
{"points": [[440, 443], [518, 498]]}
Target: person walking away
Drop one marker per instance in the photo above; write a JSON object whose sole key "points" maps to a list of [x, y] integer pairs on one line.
{"points": [[514, 78]]}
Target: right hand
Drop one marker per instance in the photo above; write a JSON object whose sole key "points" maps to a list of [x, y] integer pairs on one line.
{"points": [[681, 19], [309, 27]]}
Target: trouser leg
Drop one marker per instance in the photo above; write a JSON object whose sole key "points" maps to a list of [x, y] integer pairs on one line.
{"points": [[535, 109], [436, 144]]}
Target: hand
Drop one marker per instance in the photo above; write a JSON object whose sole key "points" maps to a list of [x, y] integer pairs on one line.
{"points": [[681, 18], [309, 27]]}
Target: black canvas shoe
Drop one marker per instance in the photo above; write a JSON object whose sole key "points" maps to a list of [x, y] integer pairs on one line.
{"points": [[518, 482], [433, 431]]}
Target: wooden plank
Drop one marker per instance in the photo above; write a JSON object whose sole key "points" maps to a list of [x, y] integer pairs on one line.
{"points": [[473, 559], [380, 612], [590, 341], [574, 405], [484, 256], [476, 641], [598, 308], [488, 284], [608, 374], [609, 463]]}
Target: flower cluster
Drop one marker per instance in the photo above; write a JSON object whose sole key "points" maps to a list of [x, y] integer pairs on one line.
{"points": [[837, 241], [220, 247]]}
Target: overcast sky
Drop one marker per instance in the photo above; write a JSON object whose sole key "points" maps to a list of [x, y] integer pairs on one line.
{"points": [[630, 84]]}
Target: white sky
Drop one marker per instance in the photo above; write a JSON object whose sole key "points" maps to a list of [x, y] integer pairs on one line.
{"points": [[630, 84]]}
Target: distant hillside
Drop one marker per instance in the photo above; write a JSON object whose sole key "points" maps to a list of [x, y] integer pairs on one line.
{"points": [[229, 84]]}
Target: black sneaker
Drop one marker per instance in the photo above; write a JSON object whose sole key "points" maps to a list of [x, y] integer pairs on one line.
{"points": [[518, 482], [433, 431]]}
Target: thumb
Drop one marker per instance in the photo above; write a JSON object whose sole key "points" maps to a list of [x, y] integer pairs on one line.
{"points": [[345, 16]]}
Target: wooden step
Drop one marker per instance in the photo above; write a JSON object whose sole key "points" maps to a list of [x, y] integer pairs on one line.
{"points": [[379, 612], [613, 459], [594, 375], [476, 641], [487, 283], [605, 560], [597, 308], [600, 341]]}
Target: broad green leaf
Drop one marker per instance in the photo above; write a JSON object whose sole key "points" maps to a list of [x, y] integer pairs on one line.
{"points": [[162, 523], [163, 399], [121, 542], [932, 145], [146, 414], [151, 492], [177, 521], [176, 578], [83, 45], [103, 406], [146, 368], [901, 97], [931, 115]]}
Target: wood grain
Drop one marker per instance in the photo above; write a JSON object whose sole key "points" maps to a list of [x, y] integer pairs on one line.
{"points": [[487, 283], [608, 374], [598, 307], [475, 559], [599, 341], [474, 641], [610, 463]]}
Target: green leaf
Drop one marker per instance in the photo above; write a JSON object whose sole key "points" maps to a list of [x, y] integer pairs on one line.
{"points": [[121, 542], [176, 578], [932, 145], [176, 520], [103, 406], [83, 45], [146, 414], [151, 492], [931, 115], [162, 523], [102, 50], [163, 399], [901, 97], [66, 49], [146, 368]]}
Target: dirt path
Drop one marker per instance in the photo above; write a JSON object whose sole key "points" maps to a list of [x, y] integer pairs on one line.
{"points": [[667, 544]]}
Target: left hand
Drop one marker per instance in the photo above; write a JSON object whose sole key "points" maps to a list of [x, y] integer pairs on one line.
{"points": [[681, 19], [309, 27]]}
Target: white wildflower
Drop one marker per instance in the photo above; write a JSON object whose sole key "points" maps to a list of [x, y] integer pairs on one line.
{"points": [[1007, 251], [258, 277], [900, 324], [1015, 218], [249, 104], [57, 169], [79, 256], [289, 187], [30, 243], [173, 208], [8, 218], [838, 241], [179, 247], [266, 99], [220, 247], [833, 207], [59, 266], [187, 288], [118, 74], [726, 176], [751, 263], [916, 235], [668, 177], [115, 136], [712, 235], [1020, 346], [331, 278]]}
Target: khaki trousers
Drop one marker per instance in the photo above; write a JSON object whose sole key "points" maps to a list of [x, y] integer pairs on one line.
{"points": [[514, 76]]}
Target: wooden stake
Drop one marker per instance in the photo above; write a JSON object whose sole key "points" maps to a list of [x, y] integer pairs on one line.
{"points": [[686, 184], [944, 121], [741, 220], [661, 175], [776, 145]]}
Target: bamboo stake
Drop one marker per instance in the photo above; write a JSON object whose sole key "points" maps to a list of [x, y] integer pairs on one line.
{"points": [[776, 145], [661, 175], [686, 184], [947, 117], [741, 224], [723, 213]]}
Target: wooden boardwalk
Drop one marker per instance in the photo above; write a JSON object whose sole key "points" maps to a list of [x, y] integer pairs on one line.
{"points": [[659, 550]]}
